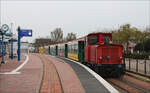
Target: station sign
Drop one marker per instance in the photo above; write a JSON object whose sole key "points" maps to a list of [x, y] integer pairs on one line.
{"points": [[26, 33]]}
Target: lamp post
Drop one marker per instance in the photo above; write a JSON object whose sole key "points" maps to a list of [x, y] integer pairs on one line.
{"points": [[11, 53], [11, 42], [3, 30]]}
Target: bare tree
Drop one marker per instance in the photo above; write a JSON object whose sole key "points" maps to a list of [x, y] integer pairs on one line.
{"points": [[57, 35], [71, 36]]}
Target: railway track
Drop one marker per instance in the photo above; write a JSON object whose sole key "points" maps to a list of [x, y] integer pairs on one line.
{"points": [[51, 80], [129, 84]]}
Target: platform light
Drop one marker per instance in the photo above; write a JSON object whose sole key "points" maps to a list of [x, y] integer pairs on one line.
{"points": [[3, 30]]}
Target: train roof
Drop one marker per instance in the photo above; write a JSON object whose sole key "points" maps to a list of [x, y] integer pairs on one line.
{"points": [[82, 38], [99, 33], [79, 39]]}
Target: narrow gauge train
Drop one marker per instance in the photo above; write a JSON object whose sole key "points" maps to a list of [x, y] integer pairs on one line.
{"points": [[96, 51]]}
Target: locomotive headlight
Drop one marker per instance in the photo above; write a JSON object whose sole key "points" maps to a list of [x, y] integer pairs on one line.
{"points": [[101, 57]]}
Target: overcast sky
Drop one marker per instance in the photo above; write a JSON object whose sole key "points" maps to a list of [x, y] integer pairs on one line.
{"points": [[80, 17]]}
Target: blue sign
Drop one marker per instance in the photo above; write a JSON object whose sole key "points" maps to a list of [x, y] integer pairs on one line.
{"points": [[26, 33]]}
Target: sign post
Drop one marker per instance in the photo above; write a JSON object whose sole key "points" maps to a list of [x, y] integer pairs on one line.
{"points": [[18, 51], [2, 49], [22, 33]]}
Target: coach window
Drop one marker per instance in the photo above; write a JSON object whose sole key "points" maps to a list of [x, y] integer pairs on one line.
{"points": [[63, 48], [52, 50], [76, 48], [60, 48], [70, 48]]}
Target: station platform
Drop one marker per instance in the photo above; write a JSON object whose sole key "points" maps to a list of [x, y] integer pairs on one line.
{"points": [[48, 74], [21, 77]]}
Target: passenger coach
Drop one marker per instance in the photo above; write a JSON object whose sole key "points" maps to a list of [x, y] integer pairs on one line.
{"points": [[63, 49], [76, 50]]}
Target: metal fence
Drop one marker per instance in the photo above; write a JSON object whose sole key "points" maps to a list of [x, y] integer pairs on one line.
{"points": [[138, 65]]}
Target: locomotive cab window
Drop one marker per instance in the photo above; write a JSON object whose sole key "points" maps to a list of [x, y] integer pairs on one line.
{"points": [[106, 39], [92, 40]]}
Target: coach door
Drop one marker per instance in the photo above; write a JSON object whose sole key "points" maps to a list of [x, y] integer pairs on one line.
{"points": [[81, 51]]}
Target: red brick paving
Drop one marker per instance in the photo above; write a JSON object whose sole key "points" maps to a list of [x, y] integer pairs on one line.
{"points": [[27, 82], [10, 64], [69, 80], [51, 82]]}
